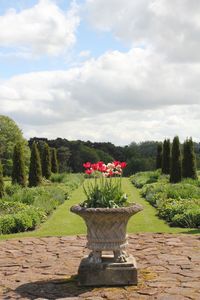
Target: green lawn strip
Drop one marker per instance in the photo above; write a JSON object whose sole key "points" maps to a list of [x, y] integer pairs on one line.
{"points": [[147, 220]]}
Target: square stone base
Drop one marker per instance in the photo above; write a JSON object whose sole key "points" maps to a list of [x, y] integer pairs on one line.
{"points": [[107, 273]]}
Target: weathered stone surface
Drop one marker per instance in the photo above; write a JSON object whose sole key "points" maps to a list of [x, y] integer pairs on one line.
{"points": [[107, 273], [34, 268]]}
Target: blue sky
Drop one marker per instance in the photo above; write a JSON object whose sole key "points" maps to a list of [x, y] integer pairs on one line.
{"points": [[100, 70]]}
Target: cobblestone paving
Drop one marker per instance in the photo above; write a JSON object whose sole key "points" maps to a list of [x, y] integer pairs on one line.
{"points": [[45, 268]]}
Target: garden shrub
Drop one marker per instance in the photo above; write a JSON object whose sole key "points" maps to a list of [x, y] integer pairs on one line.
{"points": [[183, 191], [58, 177], [26, 219], [189, 218], [142, 178], [7, 207], [23, 221], [7, 224], [12, 189]]}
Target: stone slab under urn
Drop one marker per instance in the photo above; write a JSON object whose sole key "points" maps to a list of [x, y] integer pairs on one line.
{"points": [[108, 272], [106, 231]]}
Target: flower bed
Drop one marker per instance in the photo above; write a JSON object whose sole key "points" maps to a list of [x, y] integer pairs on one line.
{"points": [[178, 204], [23, 209]]}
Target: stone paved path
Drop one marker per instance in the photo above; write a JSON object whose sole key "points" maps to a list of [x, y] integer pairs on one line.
{"points": [[45, 268]]}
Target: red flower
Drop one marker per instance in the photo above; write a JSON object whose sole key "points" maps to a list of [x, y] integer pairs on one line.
{"points": [[94, 167], [87, 165], [89, 171], [100, 164], [123, 164], [103, 168], [116, 163]]}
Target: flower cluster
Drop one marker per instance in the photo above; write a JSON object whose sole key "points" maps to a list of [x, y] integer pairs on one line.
{"points": [[104, 190], [107, 170]]}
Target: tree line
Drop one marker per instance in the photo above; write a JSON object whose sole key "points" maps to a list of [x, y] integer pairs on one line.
{"points": [[72, 154], [179, 161]]}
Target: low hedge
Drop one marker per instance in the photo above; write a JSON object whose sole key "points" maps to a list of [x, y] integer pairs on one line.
{"points": [[142, 178], [24, 220]]}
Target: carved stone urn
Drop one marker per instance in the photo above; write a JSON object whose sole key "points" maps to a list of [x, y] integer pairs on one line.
{"points": [[106, 231]]}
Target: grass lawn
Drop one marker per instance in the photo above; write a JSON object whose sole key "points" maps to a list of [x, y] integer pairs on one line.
{"points": [[63, 222]]}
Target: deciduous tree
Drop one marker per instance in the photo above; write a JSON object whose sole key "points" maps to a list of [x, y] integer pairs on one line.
{"points": [[10, 134]]}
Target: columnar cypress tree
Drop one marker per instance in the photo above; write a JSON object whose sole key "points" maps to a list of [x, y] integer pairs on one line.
{"points": [[18, 170], [159, 156], [1, 181], [46, 162], [176, 166], [35, 171], [189, 160], [166, 157], [54, 161]]}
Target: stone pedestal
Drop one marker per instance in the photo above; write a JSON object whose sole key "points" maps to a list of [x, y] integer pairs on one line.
{"points": [[107, 272]]}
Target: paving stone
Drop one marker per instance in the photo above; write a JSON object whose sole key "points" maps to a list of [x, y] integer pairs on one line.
{"points": [[45, 268]]}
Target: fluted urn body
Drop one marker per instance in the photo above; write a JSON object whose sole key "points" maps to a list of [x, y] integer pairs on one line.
{"points": [[106, 229]]}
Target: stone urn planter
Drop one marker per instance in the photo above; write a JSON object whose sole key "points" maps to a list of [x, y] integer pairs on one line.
{"points": [[106, 231]]}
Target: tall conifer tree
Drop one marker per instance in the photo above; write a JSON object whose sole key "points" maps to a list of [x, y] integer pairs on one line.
{"points": [[54, 161], [159, 156], [166, 157], [189, 160], [35, 171], [176, 164], [46, 162], [18, 170], [1, 181]]}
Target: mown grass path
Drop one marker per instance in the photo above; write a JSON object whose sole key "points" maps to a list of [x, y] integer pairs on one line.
{"points": [[63, 222]]}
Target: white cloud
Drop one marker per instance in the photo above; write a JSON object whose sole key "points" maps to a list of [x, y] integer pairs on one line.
{"points": [[124, 127], [118, 97], [170, 27], [41, 29]]}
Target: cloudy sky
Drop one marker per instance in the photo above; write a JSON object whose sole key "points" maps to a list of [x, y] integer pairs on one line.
{"points": [[101, 70]]}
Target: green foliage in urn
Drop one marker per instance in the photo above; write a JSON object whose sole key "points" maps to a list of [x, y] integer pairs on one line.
{"points": [[46, 162], [1, 181], [189, 160], [54, 161], [35, 171], [166, 157], [176, 163], [18, 171]]}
